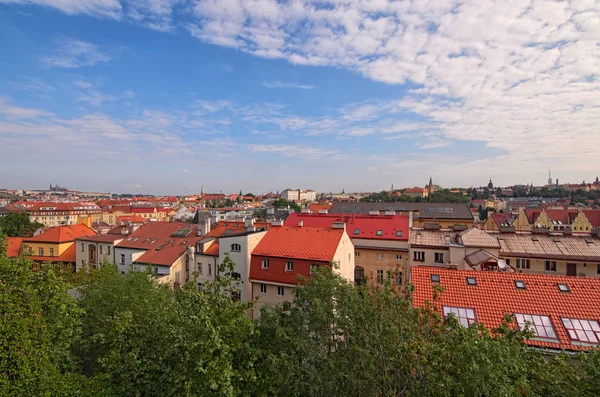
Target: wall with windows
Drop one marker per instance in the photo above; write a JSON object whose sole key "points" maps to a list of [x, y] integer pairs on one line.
{"points": [[372, 260], [270, 294], [539, 266], [124, 257], [57, 249], [430, 256]]}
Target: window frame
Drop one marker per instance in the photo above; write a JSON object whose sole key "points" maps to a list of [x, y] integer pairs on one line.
{"points": [[469, 321], [280, 289], [379, 276], [550, 266], [263, 289], [438, 257], [41, 251], [235, 247], [289, 266], [419, 256], [264, 264], [568, 330], [534, 326]]}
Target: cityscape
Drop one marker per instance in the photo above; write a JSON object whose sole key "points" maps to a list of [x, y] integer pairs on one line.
{"points": [[299, 198]]}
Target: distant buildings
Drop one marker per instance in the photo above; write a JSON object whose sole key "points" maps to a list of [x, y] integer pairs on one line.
{"points": [[298, 195], [57, 244]]}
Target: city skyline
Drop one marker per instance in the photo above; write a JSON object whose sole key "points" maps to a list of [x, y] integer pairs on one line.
{"points": [[161, 97]]}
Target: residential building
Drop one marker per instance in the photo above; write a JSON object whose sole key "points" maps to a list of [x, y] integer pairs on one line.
{"points": [[380, 242], [14, 246], [545, 220], [499, 222], [57, 213], [7, 209], [429, 248], [431, 215], [415, 192], [95, 250], [287, 252], [299, 195], [159, 246], [556, 309], [56, 244]]}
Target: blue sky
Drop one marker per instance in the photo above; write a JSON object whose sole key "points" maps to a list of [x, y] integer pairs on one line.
{"points": [[164, 96]]}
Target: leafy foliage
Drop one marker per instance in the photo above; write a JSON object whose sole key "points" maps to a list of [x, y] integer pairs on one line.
{"points": [[17, 224], [283, 203]]}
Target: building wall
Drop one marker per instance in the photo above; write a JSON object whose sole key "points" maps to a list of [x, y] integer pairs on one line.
{"points": [[581, 224], [270, 297], [521, 223], [490, 225], [131, 255], [344, 257], [538, 266], [372, 260], [202, 264], [429, 256], [58, 248], [102, 257]]}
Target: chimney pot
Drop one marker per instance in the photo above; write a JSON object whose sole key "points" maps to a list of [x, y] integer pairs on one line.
{"points": [[300, 223]]}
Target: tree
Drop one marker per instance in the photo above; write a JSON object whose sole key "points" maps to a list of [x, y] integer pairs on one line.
{"points": [[260, 214], [445, 196], [17, 224], [283, 203]]}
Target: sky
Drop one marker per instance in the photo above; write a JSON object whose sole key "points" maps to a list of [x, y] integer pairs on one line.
{"points": [[167, 96]]}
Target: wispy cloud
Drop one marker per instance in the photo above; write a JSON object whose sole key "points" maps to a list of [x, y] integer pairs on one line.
{"points": [[293, 151], [11, 111], [32, 84], [71, 53], [96, 98], [99, 8], [281, 84]]}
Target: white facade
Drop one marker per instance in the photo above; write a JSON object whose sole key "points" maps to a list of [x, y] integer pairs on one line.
{"points": [[101, 251], [298, 194]]}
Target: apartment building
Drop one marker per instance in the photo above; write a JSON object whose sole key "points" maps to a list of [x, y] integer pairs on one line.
{"points": [[298, 195], [58, 213], [556, 309], [380, 242], [95, 250], [287, 252], [559, 220]]}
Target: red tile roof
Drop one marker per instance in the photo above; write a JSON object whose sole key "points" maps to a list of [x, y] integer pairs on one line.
{"points": [[315, 208], [593, 216], [227, 228], [61, 234], [14, 246], [506, 218], [69, 256], [102, 238], [496, 295], [300, 242], [131, 218], [358, 226]]}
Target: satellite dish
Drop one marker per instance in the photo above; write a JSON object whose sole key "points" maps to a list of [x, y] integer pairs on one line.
{"points": [[502, 264]]}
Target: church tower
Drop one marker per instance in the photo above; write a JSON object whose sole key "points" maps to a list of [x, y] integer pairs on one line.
{"points": [[430, 186], [550, 176]]}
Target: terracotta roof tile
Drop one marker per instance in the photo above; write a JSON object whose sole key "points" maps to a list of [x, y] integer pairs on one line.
{"points": [[300, 242], [430, 238], [61, 234], [14, 246], [496, 295]]}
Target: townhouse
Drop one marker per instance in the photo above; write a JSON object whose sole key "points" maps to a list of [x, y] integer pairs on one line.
{"points": [[286, 252], [584, 221], [58, 213], [557, 310], [380, 242], [96, 250]]}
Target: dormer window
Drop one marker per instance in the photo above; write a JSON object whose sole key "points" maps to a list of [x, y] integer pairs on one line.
{"points": [[398, 233], [380, 233], [356, 231]]}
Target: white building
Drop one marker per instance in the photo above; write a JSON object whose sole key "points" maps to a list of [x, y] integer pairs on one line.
{"points": [[299, 195]]}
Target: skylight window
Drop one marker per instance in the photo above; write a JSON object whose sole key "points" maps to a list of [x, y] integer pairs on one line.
{"points": [[356, 231], [563, 288], [465, 316], [587, 331], [398, 233], [520, 284], [540, 325], [380, 232], [471, 281], [435, 278]]}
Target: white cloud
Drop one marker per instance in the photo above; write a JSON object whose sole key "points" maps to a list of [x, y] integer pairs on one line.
{"points": [[281, 84], [75, 54], [12, 111], [31, 84], [96, 98], [213, 106], [101, 8], [293, 151]]}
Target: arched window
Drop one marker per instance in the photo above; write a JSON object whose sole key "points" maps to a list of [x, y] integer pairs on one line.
{"points": [[236, 247]]}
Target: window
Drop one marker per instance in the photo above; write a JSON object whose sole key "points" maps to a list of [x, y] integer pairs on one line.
{"points": [[520, 284], [51, 251], [398, 233], [199, 267], [399, 278], [550, 266], [471, 281], [289, 266], [280, 291], [563, 288], [30, 250], [356, 253], [435, 278], [263, 289], [108, 250], [236, 247], [523, 263], [380, 276], [380, 233], [587, 331], [540, 325], [210, 270], [419, 256], [379, 256], [82, 247], [356, 231], [465, 316], [41, 251], [313, 268], [265, 263], [99, 249], [598, 268], [122, 259], [398, 257], [439, 257]]}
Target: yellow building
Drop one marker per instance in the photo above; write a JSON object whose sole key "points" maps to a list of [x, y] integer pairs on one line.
{"points": [[56, 244]]}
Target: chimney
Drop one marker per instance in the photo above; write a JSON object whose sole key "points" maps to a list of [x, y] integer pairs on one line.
{"points": [[277, 223], [300, 223], [410, 219], [373, 212], [249, 223], [306, 211], [339, 225], [323, 211], [390, 212]]}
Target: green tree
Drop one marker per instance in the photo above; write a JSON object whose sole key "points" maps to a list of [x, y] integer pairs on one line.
{"points": [[17, 224], [445, 196], [283, 203], [260, 214]]}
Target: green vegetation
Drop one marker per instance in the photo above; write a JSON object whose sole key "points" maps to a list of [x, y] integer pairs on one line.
{"points": [[130, 336], [17, 224], [283, 203], [440, 196]]}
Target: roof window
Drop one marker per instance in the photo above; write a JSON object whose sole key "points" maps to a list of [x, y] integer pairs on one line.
{"points": [[435, 278], [587, 331], [356, 231], [520, 284], [465, 316], [398, 233], [540, 325], [563, 288], [380, 232], [471, 281]]}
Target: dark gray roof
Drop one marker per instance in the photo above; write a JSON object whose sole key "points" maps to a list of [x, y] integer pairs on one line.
{"points": [[426, 210]]}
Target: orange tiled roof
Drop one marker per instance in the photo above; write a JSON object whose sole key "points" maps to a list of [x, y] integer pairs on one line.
{"points": [[300, 242], [593, 216], [14, 246], [315, 208], [61, 234], [496, 295], [131, 218], [227, 228]]}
